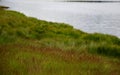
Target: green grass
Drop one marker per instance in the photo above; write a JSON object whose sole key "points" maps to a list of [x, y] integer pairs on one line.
{"points": [[29, 46]]}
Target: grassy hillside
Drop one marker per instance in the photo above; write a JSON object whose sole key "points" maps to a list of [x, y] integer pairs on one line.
{"points": [[29, 46]]}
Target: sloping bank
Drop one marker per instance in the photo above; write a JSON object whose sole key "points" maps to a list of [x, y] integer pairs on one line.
{"points": [[29, 46]]}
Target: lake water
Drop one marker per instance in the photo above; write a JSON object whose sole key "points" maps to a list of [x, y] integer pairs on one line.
{"points": [[89, 17]]}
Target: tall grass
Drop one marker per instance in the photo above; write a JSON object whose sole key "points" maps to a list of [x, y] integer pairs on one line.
{"points": [[29, 46], [14, 25]]}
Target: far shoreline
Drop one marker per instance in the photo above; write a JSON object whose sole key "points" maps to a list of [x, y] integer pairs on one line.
{"points": [[4, 7], [96, 1]]}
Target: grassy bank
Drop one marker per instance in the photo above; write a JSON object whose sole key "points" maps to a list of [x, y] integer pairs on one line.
{"points": [[29, 46]]}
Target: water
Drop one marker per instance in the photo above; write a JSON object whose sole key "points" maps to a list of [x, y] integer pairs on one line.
{"points": [[89, 17]]}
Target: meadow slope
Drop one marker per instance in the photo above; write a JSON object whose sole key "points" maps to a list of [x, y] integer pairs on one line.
{"points": [[29, 46]]}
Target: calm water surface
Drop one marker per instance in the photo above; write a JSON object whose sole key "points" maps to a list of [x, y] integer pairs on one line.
{"points": [[89, 17]]}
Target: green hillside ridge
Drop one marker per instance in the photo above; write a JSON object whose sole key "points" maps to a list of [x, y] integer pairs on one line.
{"points": [[29, 46]]}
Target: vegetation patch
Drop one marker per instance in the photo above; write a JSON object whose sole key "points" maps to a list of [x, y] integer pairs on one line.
{"points": [[29, 46]]}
